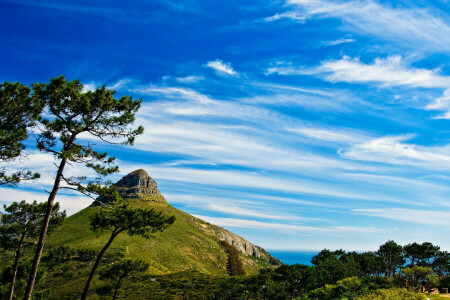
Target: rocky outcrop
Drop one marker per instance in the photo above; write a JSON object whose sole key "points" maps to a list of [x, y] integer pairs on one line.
{"points": [[241, 244], [138, 185]]}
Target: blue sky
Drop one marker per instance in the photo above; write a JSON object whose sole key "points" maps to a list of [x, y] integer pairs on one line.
{"points": [[297, 124]]}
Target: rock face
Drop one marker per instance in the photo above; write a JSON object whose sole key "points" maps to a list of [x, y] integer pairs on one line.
{"points": [[241, 244], [140, 186]]}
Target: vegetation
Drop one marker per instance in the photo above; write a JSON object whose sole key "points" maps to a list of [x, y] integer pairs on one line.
{"points": [[18, 112], [19, 228], [116, 272], [334, 274], [347, 275], [393, 294], [71, 112], [234, 265], [140, 222]]}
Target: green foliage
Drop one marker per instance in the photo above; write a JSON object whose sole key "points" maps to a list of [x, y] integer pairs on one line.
{"points": [[350, 288], [135, 221], [441, 263], [419, 276], [21, 222], [18, 111], [393, 294], [420, 254], [23, 270], [297, 278], [73, 112], [332, 266], [19, 227], [65, 253], [234, 265], [116, 272], [391, 255], [444, 282]]}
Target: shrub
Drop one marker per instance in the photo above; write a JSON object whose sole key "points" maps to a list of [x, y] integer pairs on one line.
{"points": [[393, 294], [234, 265]]}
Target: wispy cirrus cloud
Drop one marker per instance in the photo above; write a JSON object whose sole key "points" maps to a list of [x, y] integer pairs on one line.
{"points": [[441, 103], [385, 72], [406, 25], [426, 217], [221, 67], [338, 42], [290, 228], [394, 150]]}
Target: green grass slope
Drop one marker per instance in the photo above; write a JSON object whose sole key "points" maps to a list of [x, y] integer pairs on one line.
{"points": [[188, 244]]}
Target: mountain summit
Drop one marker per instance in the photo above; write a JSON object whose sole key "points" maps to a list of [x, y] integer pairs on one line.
{"points": [[139, 185], [190, 244]]}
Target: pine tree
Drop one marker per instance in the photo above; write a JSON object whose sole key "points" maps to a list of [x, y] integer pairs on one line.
{"points": [[20, 226], [18, 111], [122, 218], [120, 270], [72, 112]]}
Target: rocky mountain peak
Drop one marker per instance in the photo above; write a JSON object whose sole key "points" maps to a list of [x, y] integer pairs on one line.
{"points": [[138, 179], [139, 185]]}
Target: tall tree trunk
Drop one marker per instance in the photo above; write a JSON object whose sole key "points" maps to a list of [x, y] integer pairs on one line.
{"points": [[16, 264], [97, 262], [117, 288], [40, 244]]}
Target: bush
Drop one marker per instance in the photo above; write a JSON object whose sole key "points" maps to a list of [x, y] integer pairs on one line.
{"points": [[445, 282], [234, 265], [393, 294]]}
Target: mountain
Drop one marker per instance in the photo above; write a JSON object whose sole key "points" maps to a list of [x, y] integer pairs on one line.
{"points": [[190, 244]]}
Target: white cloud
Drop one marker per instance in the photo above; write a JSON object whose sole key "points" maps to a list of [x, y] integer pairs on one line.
{"points": [[289, 228], [441, 103], [89, 87], [345, 136], [338, 42], [389, 71], [393, 150], [236, 210], [123, 83], [221, 68], [427, 217], [409, 26], [189, 79], [71, 204]]}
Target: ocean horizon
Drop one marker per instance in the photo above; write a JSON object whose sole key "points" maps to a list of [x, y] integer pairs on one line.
{"points": [[292, 257]]}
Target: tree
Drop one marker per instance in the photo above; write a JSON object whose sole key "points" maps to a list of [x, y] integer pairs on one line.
{"points": [[23, 270], [369, 263], [391, 256], [418, 275], [122, 218], [18, 111], [441, 263], [20, 227], [420, 254], [72, 112], [234, 264], [118, 271]]}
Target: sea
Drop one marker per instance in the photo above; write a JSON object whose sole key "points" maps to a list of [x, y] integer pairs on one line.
{"points": [[290, 257]]}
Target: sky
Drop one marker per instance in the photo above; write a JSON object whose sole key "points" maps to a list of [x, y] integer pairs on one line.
{"points": [[298, 124]]}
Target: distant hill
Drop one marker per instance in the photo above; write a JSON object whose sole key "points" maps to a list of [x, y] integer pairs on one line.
{"points": [[189, 244]]}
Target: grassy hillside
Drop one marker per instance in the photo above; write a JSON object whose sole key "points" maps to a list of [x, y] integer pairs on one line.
{"points": [[189, 244]]}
